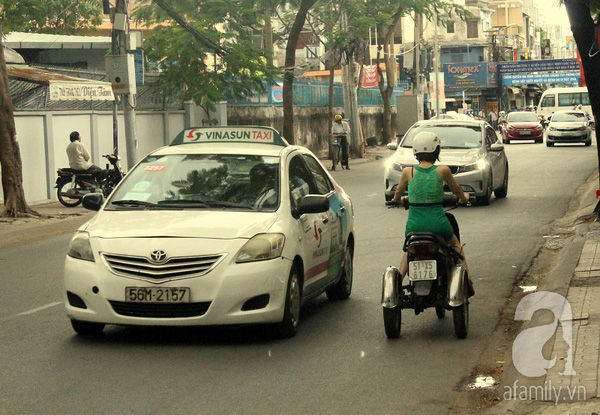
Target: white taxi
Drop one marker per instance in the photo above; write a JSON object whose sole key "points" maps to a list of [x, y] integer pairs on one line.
{"points": [[227, 225]]}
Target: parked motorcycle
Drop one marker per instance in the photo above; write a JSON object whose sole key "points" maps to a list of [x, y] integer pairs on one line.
{"points": [[436, 279], [73, 184]]}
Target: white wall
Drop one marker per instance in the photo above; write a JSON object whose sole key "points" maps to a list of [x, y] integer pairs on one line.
{"points": [[44, 136]]}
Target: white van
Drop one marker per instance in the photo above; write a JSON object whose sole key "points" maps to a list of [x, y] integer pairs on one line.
{"points": [[554, 99]]}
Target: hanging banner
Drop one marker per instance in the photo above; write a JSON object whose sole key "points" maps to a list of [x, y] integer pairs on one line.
{"points": [[370, 77]]}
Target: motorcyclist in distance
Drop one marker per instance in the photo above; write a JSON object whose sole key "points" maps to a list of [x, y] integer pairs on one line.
{"points": [[425, 183]]}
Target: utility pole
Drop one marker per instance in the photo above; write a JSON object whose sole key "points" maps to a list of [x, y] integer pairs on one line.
{"points": [[417, 54], [436, 68], [122, 77]]}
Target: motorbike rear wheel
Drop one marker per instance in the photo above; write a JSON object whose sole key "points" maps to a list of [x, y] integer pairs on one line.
{"points": [[392, 319], [64, 187], [460, 315]]}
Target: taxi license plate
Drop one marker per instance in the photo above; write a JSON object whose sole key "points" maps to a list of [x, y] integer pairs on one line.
{"points": [[525, 132], [422, 270], [157, 294]]}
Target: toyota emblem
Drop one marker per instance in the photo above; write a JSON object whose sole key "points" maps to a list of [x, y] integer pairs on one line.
{"points": [[158, 256]]}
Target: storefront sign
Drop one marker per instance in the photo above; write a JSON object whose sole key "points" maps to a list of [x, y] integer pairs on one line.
{"points": [[84, 91]]}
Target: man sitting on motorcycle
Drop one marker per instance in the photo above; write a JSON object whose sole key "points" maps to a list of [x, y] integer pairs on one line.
{"points": [[79, 158], [425, 183]]}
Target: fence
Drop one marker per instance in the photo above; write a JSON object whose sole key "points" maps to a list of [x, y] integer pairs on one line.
{"points": [[310, 93]]}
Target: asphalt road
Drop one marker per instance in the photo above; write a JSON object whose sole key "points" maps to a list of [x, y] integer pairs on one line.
{"points": [[340, 361]]}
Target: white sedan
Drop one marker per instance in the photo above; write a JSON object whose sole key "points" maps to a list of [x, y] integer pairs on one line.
{"points": [[227, 225]]}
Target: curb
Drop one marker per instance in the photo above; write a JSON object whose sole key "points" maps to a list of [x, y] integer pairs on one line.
{"points": [[553, 272]]}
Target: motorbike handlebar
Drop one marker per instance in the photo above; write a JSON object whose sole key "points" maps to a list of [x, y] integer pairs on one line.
{"points": [[447, 201]]}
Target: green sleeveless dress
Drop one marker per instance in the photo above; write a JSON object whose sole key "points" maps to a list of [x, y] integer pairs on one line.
{"points": [[426, 212]]}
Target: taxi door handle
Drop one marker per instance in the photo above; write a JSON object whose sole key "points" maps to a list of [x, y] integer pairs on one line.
{"points": [[326, 219], [342, 208]]}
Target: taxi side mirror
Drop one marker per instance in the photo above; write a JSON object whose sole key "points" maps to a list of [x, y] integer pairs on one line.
{"points": [[93, 201], [312, 204]]}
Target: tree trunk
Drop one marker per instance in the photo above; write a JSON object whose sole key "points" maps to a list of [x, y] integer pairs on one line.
{"points": [[288, 74], [583, 29], [10, 155], [390, 77]]}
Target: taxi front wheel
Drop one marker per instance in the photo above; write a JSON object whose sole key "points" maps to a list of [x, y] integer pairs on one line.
{"points": [[85, 328], [291, 315], [342, 289]]}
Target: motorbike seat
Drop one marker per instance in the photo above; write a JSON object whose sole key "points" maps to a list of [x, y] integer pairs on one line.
{"points": [[424, 237], [74, 171]]}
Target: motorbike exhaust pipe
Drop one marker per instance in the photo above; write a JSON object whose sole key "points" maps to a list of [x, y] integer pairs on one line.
{"points": [[456, 286], [389, 292]]}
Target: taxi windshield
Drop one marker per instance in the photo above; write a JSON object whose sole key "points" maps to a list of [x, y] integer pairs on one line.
{"points": [[200, 181]]}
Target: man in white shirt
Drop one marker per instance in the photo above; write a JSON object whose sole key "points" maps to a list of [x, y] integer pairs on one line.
{"points": [[341, 130], [79, 158]]}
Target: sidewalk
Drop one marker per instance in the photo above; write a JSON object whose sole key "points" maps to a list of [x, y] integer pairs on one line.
{"points": [[58, 219], [568, 265]]}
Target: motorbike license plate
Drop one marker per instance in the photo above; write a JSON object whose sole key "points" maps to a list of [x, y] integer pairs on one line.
{"points": [[157, 294], [422, 270]]}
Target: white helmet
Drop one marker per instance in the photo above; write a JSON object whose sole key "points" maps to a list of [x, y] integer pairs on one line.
{"points": [[425, 142]]}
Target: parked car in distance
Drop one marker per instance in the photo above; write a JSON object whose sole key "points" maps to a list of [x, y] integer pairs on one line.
{"points": [[569, 126], [469, 147], [227, 225], [522, 125], [452, 115]]}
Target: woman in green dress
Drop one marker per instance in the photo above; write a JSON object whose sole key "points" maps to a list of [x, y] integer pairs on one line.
{"points": [[425, 183]]}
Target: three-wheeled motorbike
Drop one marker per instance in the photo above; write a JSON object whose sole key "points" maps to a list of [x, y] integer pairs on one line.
{"points": [[435, 279]]}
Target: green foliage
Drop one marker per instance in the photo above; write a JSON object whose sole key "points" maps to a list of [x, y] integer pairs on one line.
{"points": [[594, 5], [50, 16], [189, 69]]}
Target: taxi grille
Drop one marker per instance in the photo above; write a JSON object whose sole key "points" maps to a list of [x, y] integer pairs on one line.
{"points": [[134, 266], [154, 310]]}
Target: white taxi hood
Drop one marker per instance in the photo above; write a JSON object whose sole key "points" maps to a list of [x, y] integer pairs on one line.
{"points": [[179, 224]]}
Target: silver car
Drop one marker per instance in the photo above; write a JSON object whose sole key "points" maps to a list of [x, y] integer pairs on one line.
{"points": [[470, 148], [572, 126]]}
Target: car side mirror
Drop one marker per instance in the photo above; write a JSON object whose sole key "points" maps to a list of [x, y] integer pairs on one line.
{"points": [[392, 146], [312, 204], [93, 201], [496, 147]]}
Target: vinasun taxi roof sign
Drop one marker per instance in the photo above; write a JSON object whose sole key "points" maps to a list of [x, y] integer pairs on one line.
{"points": [[226, 134]]}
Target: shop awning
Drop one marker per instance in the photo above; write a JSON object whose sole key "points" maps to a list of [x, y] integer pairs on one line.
{"points": [[511, 92], [62, 87]]}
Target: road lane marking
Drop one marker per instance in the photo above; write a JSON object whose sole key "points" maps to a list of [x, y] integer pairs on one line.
{"points": [[35, 310], [371, 195]]}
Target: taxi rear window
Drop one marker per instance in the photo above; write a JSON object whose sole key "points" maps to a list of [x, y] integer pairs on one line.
{"points": [[186, 181]]}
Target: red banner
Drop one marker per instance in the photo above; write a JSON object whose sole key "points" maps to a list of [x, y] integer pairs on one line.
{"points": [[370, 77]]}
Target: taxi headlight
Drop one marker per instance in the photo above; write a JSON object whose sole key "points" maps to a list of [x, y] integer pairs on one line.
{"points": [[261, 247], [80, 247], [552, 129]]}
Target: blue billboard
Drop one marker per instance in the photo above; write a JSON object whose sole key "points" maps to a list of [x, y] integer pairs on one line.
{"points": [[480, 75], [545, 65], [540, 78]]}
